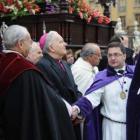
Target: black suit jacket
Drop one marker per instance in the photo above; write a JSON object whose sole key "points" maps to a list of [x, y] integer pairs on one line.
{"points": [[129, 56], [55, 74]]}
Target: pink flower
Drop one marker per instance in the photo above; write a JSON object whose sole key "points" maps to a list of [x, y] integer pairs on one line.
{"points": [[81, 15], [85, 11], [68, 0], [100, 20], [70, 9], [107, 20], [95, 14], [89, 19]]}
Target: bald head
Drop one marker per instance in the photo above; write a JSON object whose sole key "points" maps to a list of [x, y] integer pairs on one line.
{"points": [[91, 53], [89, 48]]}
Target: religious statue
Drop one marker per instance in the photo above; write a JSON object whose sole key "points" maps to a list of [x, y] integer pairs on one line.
{"points": [[118, 28], [2, 30], [136, 40]]}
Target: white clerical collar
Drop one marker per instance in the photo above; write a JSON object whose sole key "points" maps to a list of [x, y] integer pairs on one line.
{"points": [[121, 68], [124, 67], [11, 51]]}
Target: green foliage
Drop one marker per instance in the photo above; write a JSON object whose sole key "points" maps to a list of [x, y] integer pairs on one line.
{"points": [[15, 8]]}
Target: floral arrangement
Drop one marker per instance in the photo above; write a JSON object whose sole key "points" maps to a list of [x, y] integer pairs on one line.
{"points": [[40, 0], [51, 7], [86, 12], [15, 8], [47, 6]]}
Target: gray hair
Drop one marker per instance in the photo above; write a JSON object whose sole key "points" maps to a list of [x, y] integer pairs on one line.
{"points": [[49, 40], [13, 34], [33, 46], [87, 49]]}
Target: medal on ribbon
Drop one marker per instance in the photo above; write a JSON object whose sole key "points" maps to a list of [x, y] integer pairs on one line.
{"points": [[122, 95]]}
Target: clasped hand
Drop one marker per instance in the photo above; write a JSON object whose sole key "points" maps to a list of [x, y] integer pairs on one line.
{"points": [[74, 112]]}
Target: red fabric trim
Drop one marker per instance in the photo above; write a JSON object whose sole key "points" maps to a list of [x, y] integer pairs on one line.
{"points": [[11, 66], [61, 65]]}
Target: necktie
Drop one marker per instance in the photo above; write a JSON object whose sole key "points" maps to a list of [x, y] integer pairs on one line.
{"points": [[121, 71], [61, 65]]}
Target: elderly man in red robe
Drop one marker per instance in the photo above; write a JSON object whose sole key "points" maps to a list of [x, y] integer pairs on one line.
{"points": [[29, 108]]}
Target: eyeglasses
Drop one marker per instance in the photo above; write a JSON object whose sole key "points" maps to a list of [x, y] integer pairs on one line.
{"points": [[99, 55], [31, 41], [116, 55]]}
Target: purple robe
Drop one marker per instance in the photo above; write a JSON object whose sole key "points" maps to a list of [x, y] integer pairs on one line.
{"points": [[133, 106], [93, 122]]}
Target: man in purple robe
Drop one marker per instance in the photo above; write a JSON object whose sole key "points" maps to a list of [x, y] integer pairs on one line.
{"points": [[133, 106], [110, 88]]}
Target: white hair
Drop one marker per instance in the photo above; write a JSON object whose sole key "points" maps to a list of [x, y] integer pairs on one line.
{"points": [[13, 34], [49, 40], [34, 44]]}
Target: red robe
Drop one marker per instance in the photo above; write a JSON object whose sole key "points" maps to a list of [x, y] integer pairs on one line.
{"points": [[29, 108], [1, 54], [16, 66]]}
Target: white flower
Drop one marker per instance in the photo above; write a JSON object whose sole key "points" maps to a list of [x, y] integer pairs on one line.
{"points": [[15, 11], [10, 7], [25, 9], [20, 3], [33, 11]]}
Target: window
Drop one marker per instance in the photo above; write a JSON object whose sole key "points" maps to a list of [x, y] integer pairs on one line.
{"points": [[123, 21], [137, 2], [137, 18], [122, 5]]}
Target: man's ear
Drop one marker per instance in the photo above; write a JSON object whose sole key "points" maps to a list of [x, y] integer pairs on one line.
{"points": [[90, 55], [51, 48], [20, 43], [125, 56]]}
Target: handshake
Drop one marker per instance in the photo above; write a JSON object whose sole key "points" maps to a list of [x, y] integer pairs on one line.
{"points": [[74, 115]]}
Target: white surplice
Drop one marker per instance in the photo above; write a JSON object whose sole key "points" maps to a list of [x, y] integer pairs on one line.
{"points": [[83, 73], [113, 107]]}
